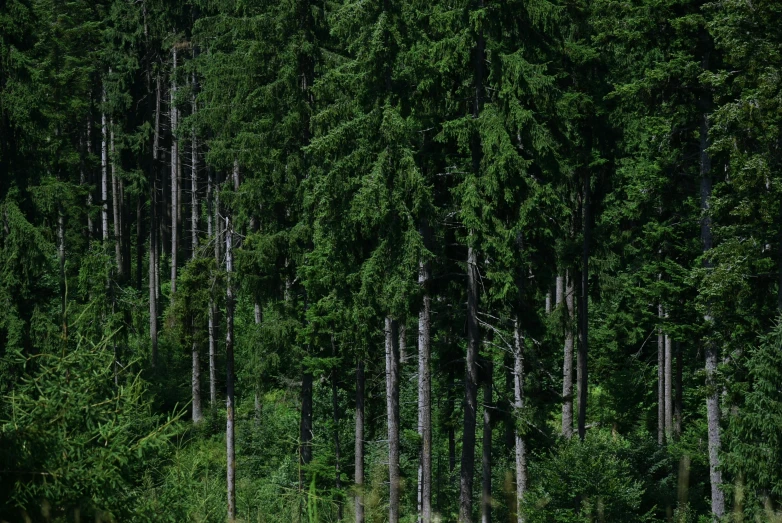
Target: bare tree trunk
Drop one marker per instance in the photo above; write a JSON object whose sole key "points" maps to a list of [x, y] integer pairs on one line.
{"points": [[425, 393], [335, 413], [567, 366], [583, 316], [677, 413], [152, 269], [139, 241], [559, 294], [212, 320], [359, 443], [104, 166], [229, 363], [668, 388], [116, 205], [660, 377], [89, 177], [712, 400], [61, 257], [518, 408], [488, 405], [197, 411], [174, 177], [470, 391], [305, 436], [392, 411]]}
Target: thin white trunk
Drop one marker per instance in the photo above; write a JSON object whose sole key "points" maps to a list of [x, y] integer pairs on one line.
{"points": [[174, 176], [104, 166], [518, 407]]}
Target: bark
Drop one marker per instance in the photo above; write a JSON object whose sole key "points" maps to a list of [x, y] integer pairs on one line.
{"points": [[488, 406], [197, 413], [116, 205], [229, 365], [88, 178], [392, 412], [104, 183], [470, 391], [174, 177], [559, 294], [424, 393], [668, 388], [152, 276], [358, 473], [139, 242], [518, 409], [583, 316], [660, 378], [677, 411], [61, 257], [212, 325], [567, 366], [305, 427], [450, 402], [712, 399], [335, 419]]}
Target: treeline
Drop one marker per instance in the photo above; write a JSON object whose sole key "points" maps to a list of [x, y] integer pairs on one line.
{"points": [[361, 260]]}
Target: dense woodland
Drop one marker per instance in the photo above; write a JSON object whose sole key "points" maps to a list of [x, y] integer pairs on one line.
{"points": [[358, 260]]}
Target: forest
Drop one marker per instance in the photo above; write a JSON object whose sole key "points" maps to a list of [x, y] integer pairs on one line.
{"points": [[393, 261]]}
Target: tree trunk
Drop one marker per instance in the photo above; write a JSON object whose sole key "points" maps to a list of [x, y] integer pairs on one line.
{"points": [[392, 411], [61, 257], [712, 399], [305, 434], [660, 377], [212, 327], [116, 205], [583, 316], [424, 393], [335, 413], [470, 391], [677, 413], [567, 366], [88, 177], [559, 294], [104, 167], [518, 409], [197, 412], [488, 405], [139, 241], [174, 177], [359, 443], [668, 388], [229, 363], [152, 269]]}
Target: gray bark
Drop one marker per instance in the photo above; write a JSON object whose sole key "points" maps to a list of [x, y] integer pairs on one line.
{"points": [[174, 176], [196, 356], [518, 408], [358, 473], [567, 366], [583, 313], [392, 412], [470, 391], [488, 406], [559, 294], [712, 399], [104, 182], [229, 365], [660, 378], [425, 394], [116, 204], [212, 326], [668, 388]]}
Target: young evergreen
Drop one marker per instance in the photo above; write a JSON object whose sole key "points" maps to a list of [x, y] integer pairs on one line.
{"points": [[342, 260]]}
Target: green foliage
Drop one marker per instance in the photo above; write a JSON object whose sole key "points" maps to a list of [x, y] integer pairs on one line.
{"points": [[586, 481], [74, 441]]}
